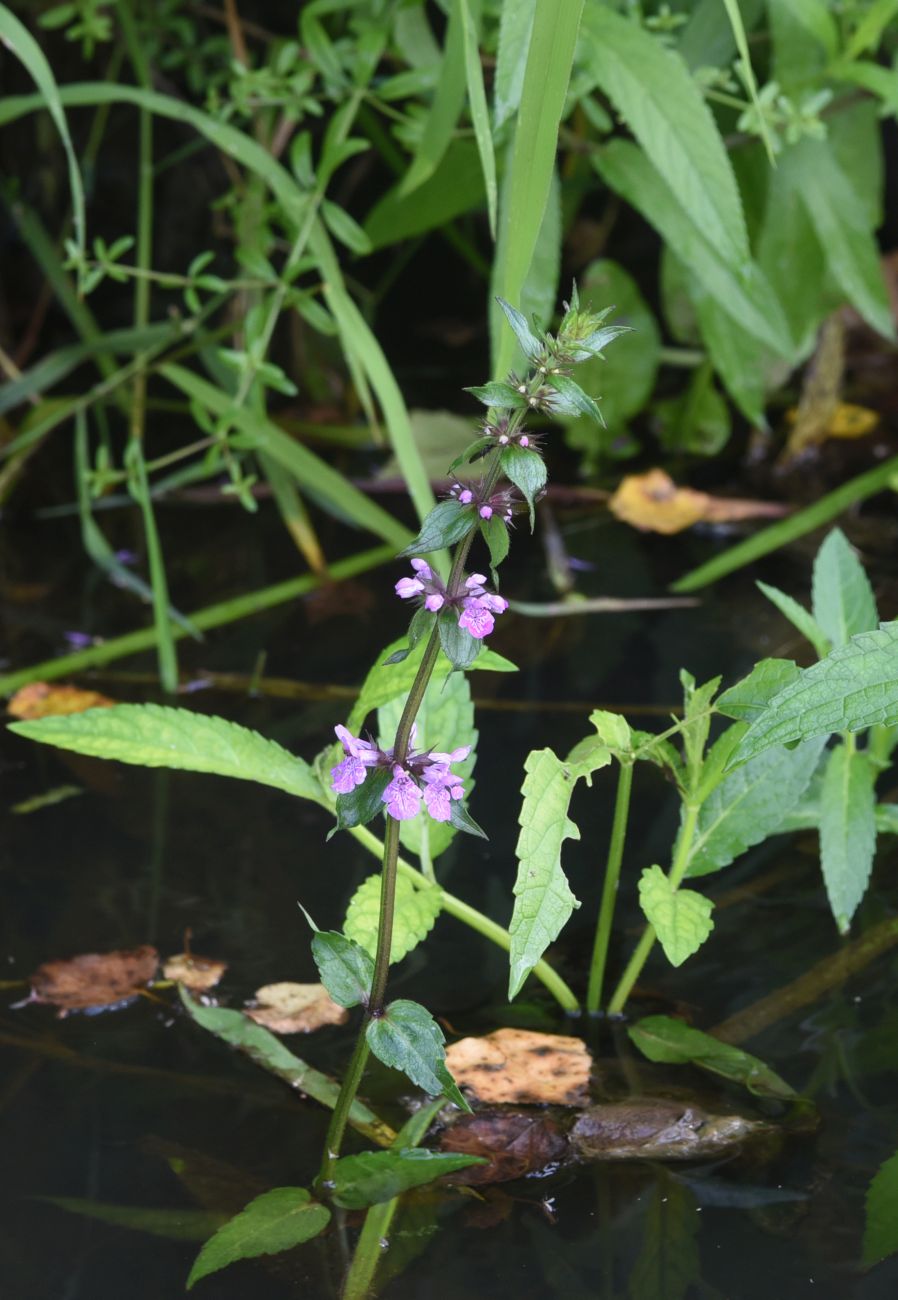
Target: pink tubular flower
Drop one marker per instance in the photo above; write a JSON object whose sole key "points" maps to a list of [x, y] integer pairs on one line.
{"points": [[360, 755], [423, 776], [474, 604], [403, 795]]}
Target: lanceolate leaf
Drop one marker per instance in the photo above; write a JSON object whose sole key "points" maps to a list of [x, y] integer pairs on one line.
{"points": [[680, 918], [530, 344], [847, 831], [498, 396], [375, 1176], [843, 598], [799, 617], [543, 898], [854, 687], [346, 969], [447, 523], [750, 803], [527, 470], [151, 735], [274, 1221], [407, 1038], [662, 1038], [413, 919]]}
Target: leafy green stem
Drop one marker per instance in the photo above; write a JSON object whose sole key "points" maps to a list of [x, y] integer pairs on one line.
{"points": [[609, 888]]}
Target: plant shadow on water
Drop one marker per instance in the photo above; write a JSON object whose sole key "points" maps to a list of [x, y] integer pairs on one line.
{"points": [[137, 1109]]}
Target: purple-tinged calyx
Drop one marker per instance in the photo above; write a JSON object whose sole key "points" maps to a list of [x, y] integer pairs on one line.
{"points": [[474, 604], [502, 502], [422, 776]]}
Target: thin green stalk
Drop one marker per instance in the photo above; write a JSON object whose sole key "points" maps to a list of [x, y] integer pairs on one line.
{"points": [[163, 628], [644, 947], [609, 888]]}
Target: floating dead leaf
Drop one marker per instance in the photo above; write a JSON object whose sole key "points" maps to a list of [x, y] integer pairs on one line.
{"points": [[520, 1065], [196, 973], [653, 503], [43, 700], [515, 1143], [94, 980], [295, 1008]]}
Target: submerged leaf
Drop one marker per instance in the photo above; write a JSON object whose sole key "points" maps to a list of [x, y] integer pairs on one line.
{"points": [[94, 979], [288, 1008], [183, 1224], [523, 1066], [275, 1221], [664, 1039]]}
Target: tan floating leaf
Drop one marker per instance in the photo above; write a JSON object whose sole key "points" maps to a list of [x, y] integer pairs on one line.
{"points": [[652, 502], [43, 700], [287, 1008], [94, 979], [519, 1065], [196, 973]]}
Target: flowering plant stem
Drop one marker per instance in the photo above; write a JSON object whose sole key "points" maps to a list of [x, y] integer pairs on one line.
{"points": [[646, 943], [609, 888]]}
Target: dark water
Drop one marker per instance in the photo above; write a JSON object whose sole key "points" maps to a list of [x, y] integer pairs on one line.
{"points": [[139, 1108]]}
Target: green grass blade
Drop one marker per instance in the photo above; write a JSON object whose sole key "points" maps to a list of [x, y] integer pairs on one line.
{"points": [[139, 486], [480, 114], [546, 78], [788, 530], [445, 108], [748, 74]]}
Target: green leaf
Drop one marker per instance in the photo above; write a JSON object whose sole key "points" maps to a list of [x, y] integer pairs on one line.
{"points": [[666, 1040], [530, 344], [613, 730], [574, 401], [480, 115], [454, 188], [447, 103], [498, 396], [345, 968], [798, 616], [363, 803], [791, 257], [375, 1176], [843, 598], [461, 819], [274, 1221], [345, 228], [747, 699], [269, 1053], [447, 523], [843, 229], [680, 918], [527, 470], [495, 533], [667, 1260], [881, 1225], [661, 103], [458, 645], [151, 735], [543, 898], [847, 831], [416, 910], [177, 1225], [407, 1038], [805, 39], [697, 710], [387, 682], [854, 687], [515, 26], [750, 803], [871, 26], [698, 420]]}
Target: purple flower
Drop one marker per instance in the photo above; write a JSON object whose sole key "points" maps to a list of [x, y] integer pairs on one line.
{"points": [[474, 604], [423, 775], [360, 755], [403, 795]]}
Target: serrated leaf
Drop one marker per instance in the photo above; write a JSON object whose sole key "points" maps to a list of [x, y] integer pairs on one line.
{"points": [[498, 396], [747, 699], [275, 1221], [847, 831], [375, 1176], [407, 1038], [798, 616], [527, 470], [543, 897], [346, 969], [881, 1225], [447, 523], [666, 1040], [457, 643], [152, 735], [530, 344], [613, 730], [751, 803], [364, 802], [680, 918], [495, 534], [416, 910], [854, 687], [843, 598], [697, 708]]}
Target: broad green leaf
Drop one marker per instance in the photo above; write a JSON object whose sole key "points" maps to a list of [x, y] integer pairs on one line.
{"points": [[668, 1261], [413, 918], [346, 969], [363, 803], [660, 102], [498, 395], [843, 598], [515, 26], [872, 24], [448, 99], [445, 722], [707, 40], [375, 1176], [680, 918], [543, 898], [454, 188], [750, 803], [183, 1224], [799, 617], [747, 699], [847, 831], [274, 1221], [527, 470], [613, 730], [664, 1039], [854, 687], [458, 645], [480, 115], [843, 229], [805, 39], [387, 681], [743, 293], [881, 1224], [791, 257], [447, 523], [407, 1038], [151, 735], [747, 369], [879, 81], [268, 1052]]}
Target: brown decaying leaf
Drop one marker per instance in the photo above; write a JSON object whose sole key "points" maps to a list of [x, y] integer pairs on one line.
{"points": [[515, 1143], [195, 973], [43, 700], [652, 502], [295, 1008], [520, 1065], [94, 979]]}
